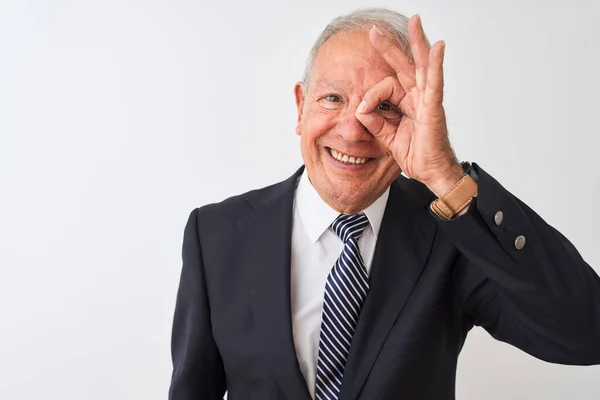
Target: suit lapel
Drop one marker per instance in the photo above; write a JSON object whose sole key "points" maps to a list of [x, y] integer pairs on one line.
{"points": [[402, 248], [266, 235]]}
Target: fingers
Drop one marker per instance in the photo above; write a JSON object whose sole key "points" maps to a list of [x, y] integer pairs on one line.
{"points": [[427, 72], [382, 123], [420, 49], [382, 129], [408, 74], [388, 89], [434, 93], [394, 56]]}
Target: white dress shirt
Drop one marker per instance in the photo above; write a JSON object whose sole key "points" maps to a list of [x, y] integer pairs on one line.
{"points": [[315, 248]]}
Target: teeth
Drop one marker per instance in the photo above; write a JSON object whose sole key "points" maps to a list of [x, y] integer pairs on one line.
{"points": [[346, 158]]}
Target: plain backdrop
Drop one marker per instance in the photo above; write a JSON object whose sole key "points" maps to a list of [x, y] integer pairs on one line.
{"points": [[118, 117]]}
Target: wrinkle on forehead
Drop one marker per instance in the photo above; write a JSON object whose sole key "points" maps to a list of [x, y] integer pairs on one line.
{"points": [[336, 83], [348, 59]]}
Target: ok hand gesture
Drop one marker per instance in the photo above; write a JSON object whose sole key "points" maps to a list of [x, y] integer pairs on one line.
{"points": [[419, 143]]}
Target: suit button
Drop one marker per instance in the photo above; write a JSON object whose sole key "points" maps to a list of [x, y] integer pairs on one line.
{"points": [[498, 218], [520, 242]]}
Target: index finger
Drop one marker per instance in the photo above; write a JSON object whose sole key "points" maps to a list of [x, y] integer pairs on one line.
{"points": [[394, 56]]}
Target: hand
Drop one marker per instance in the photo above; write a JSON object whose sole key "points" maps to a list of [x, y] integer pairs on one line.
{"points": [[419, 142]]}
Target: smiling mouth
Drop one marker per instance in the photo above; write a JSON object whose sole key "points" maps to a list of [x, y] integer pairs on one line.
{"points": [[346, 158]]}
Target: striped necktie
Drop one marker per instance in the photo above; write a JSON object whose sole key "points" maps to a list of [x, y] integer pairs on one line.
{"points": [[345, 290]]}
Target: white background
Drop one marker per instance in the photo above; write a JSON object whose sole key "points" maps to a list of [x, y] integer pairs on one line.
{"points": [[117, 118]]}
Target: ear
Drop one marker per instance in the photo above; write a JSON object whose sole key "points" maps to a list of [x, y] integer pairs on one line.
{"points": [[299, 95]]}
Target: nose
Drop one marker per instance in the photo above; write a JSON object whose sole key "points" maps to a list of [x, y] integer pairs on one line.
{"points": [[352, 130]]}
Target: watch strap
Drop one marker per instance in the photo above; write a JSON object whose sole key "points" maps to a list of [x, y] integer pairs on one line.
{"points": [[456, 199]]}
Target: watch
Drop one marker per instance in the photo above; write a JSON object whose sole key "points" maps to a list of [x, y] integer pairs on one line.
{"points": [[469, 170], [459, 197]]}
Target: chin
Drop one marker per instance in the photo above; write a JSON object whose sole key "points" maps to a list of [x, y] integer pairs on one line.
{"points": [[349, 194]]}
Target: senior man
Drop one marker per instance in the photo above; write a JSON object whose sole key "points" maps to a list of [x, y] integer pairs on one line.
{"points": [[350, 281]]}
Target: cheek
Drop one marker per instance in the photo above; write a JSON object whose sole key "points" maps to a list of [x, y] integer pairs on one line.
{"points": [[390, 169], [317, 124]]}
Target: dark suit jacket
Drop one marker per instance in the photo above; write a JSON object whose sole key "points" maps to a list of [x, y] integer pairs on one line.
{"points": [[431, 282]]}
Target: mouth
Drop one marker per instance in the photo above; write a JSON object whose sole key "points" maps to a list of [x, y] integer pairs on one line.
{"points": [[347, 158]]}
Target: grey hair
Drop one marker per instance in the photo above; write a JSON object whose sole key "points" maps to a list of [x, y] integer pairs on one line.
{"points": [[389, 21]]}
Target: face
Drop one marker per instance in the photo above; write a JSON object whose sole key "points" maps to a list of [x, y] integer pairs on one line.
{"points": [[347, 165]]}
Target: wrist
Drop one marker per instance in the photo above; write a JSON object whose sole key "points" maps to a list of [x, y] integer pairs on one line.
{"points": [[446, 180]]}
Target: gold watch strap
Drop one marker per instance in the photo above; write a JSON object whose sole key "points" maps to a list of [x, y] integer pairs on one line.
{"points": [[456, 199]]}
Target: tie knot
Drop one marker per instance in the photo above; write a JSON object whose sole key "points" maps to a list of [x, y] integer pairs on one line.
{"points": [[349, 226]]}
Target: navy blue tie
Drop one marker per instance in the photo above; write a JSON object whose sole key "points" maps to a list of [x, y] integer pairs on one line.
{"points": [[345, 291]]}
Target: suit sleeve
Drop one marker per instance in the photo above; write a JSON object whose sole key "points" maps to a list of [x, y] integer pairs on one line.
{"points": [[198, 371], [544, 298]]}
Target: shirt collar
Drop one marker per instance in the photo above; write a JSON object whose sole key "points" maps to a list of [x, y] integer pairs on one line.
{"points": [[317, 215]]}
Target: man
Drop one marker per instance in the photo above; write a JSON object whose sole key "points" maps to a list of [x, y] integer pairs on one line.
{"points": [[350, 281]]}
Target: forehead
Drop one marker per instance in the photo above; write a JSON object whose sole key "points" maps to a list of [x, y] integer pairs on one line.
{"points": [[349, 59]]}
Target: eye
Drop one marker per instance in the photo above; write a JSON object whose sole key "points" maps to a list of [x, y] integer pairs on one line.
{"points": [[390, 112], [334, 98], [332, 101]]}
